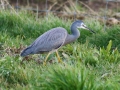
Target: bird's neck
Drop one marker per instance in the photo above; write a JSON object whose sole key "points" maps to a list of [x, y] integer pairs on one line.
{"points": [[75, 32], [72, 37]]}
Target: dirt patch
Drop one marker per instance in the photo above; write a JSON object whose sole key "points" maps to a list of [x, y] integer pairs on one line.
{"points": [[95, 4]]}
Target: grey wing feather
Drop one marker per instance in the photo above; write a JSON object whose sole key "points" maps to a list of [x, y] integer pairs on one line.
{"points": [[52, 39], [48, 41]]}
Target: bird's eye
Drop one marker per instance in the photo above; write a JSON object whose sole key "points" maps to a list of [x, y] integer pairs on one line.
{"points": [[83, 25]]}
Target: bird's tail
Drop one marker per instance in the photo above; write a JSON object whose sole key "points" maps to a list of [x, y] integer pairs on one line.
{"points": [[26, 52]]}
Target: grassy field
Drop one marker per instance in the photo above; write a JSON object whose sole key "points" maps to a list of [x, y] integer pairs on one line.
{"points": [[90, 63]]}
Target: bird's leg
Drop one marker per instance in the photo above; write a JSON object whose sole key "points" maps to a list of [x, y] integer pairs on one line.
{"points": [[58, 57], [44, 63]]}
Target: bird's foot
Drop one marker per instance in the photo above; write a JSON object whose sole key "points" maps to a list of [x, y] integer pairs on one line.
{"points": [[44, 63], [59, 60]]}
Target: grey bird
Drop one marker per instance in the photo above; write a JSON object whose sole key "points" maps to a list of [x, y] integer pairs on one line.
{"points": [[53, 39]]}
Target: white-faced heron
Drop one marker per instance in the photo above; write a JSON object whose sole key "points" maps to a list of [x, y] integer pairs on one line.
{"points": [[53, 39]]}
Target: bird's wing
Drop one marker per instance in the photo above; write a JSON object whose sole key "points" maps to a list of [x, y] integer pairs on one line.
{"points": [[50, 40]]}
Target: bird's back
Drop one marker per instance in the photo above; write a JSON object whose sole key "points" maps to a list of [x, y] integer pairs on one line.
{"points": [[48, 41]]}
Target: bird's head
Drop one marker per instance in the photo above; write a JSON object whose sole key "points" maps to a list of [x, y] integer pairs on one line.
{"points": [[80, 24]]}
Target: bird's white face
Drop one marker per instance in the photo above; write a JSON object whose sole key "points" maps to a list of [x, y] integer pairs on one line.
{"points": [[83, 26]]}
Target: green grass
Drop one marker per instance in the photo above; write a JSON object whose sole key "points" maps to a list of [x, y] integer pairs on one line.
{"points": [[90, 63]]}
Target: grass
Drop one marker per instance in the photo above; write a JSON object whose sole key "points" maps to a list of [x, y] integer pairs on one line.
{"points": [[90, 63]]}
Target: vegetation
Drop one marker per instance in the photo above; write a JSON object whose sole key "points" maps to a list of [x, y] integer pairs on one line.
{"points": [[90, 63]]}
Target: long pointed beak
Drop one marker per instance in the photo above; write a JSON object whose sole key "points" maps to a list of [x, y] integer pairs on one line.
{"points": [[89, 29]]}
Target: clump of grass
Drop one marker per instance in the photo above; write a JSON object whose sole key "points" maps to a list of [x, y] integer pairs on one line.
{"points": [[25, 26], [9, 71], [82, 53], [68, 77], [102, 38], [107, 54]]}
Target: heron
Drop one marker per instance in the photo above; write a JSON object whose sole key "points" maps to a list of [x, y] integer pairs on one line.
{"points": [[54, 39]]}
